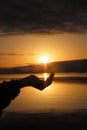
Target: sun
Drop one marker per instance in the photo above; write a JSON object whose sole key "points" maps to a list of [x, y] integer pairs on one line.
{"points": [[44, 59]]}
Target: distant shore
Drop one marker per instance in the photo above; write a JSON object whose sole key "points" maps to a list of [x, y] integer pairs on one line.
{"points": [[67, 79], [71, 66], [72, 79]]}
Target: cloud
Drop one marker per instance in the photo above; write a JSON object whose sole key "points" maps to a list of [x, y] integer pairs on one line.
{"points": [[14, 54], [31, 54], [11, 54], [43, 16], [1, 58]]}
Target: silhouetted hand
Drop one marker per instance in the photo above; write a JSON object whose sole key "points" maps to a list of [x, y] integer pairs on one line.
{"points": [[36, 82], [10, 89]]}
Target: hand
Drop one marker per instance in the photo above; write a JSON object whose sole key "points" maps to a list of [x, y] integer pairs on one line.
{"points": [[36, 82], [9, 90]]}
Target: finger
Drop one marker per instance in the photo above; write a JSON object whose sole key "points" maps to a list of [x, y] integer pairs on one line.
{"points": [[49, 80]]}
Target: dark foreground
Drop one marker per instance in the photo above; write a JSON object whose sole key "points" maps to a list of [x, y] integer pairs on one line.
{"points": [[44, 121]]}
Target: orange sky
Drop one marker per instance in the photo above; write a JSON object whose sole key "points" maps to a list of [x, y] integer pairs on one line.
{"points": [[16, 50]]}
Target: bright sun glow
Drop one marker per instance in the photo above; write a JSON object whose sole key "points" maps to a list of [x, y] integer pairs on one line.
{"points": [[44, 59]]}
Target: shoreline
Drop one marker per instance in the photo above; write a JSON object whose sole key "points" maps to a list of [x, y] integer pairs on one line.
{"points": [[48, 121]]}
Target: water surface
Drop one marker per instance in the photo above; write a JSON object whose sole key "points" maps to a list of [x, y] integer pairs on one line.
{"points": [[59, 96]]}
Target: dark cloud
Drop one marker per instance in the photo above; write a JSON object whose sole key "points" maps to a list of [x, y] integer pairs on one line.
{"points": [[11, 54], [43, 16]]}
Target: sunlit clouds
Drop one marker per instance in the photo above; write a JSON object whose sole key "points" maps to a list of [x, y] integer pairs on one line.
{"points": [[27, 49]]}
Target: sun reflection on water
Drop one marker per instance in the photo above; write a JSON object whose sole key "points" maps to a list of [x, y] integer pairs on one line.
{"points": [[45, 75]]}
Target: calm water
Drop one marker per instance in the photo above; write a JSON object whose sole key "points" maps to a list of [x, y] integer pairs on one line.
{"points": [[57, 97]]}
